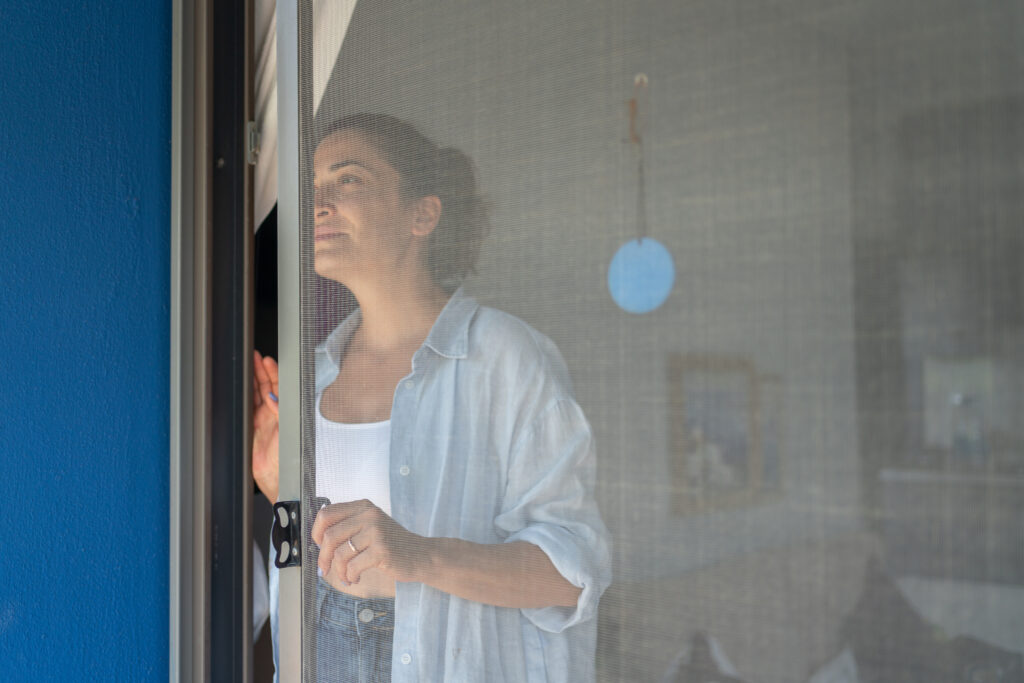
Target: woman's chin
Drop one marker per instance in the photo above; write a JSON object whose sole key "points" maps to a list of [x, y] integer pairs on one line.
{"points": [[331, 266]]}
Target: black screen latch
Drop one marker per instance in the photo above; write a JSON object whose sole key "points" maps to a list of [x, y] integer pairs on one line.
{"points": [[286, 534]]}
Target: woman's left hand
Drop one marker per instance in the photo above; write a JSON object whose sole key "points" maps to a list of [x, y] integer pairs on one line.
{"points": [[357, 536]]}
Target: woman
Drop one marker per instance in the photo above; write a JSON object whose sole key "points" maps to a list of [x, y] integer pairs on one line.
{"points": [[461, 467]]}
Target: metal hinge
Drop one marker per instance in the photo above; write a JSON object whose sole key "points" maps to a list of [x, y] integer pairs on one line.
{"points": [[252, 143], [286, 534]]}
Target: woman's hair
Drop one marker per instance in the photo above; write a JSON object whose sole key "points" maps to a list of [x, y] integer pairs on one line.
{"points": [[426, 169]]}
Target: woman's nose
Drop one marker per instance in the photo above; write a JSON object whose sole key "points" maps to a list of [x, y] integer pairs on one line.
{"points": [[322, 207]]}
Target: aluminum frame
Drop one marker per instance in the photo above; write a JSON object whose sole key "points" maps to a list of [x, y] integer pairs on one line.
{"points": [[189, 385], [210, 272], [289, 325]]}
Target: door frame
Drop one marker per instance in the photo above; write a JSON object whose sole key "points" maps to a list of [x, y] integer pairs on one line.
{"points": [[210, 544]]}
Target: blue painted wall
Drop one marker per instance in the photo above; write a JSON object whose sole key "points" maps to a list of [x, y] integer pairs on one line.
{"points": [[85, 108]]}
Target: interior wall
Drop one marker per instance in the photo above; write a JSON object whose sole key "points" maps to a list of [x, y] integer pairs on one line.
{"points": [[748, 186], [936, 136], [84, 294]]}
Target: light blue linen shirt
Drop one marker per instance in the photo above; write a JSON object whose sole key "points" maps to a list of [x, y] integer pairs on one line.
{"points": [[488, 445]]}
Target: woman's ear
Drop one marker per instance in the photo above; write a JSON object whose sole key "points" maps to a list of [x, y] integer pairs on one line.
{"points": [[426, 215]]}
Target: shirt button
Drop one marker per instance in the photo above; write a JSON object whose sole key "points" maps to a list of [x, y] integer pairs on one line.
{"points": [[366, 615], [406, 658], [409, 384], [404, 470]]}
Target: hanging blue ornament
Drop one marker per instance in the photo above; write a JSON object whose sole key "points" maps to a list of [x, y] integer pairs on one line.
{"points": [[641, 275]]}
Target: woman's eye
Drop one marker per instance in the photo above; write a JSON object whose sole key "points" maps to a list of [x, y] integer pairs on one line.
{"points": [[348, 179]]}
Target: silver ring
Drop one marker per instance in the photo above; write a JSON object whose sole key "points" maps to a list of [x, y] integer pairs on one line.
{"points": [[352, 546]]}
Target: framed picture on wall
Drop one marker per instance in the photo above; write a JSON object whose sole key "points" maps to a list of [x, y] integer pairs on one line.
{"points": [[720, 454]]}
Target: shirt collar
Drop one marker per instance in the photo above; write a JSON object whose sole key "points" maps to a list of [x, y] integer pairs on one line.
{"points": [[449, 336]]}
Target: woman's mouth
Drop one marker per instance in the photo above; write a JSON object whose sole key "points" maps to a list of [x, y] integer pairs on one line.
{"points": [[324, 232]]}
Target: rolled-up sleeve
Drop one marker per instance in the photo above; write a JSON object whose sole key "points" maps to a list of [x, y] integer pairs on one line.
{"points": [[550, 503]]}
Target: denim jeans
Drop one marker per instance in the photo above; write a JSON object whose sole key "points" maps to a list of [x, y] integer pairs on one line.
{"points": [[354, 637]]}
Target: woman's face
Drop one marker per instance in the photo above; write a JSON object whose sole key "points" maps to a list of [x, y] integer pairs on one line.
{"points": [[365, 231]]}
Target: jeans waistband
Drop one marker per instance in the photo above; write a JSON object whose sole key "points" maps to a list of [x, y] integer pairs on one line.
{"points": [[342, 609]]}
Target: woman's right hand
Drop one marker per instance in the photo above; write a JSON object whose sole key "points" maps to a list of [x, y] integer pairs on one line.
{"points": [[265, 425]]}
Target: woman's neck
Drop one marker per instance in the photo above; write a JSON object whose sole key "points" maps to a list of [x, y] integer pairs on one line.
{"points": [[398, 315]]}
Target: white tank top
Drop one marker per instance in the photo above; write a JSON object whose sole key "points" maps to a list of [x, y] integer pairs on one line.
{"points": [[353, 461]]}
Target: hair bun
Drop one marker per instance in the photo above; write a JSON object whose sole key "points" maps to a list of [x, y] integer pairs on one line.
{"points": [[453, 164]]}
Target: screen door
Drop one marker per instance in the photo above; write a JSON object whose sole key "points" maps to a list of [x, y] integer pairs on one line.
{"points": [[657, 341]]}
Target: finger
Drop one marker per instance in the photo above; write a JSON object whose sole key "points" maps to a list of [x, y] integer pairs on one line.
{"points": [[261, 380], [368, 557], [359, 542], [265, 382], [332, 540], [271, 403], [342, 557], [338, 564], [335, 552], [270, 366], [259, 369], [334, 514]]}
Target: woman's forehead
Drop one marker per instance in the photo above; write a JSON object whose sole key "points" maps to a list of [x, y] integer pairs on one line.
{"points": [[342, 144], [349, 146]]}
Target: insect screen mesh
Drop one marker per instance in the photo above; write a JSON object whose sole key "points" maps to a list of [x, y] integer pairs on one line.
{"points": [[688, 342]]}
